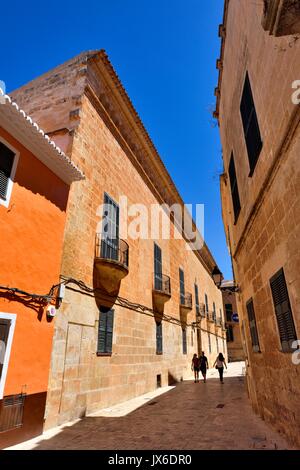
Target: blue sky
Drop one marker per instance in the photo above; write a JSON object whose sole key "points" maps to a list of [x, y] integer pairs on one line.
{"points": [[165, 53]]}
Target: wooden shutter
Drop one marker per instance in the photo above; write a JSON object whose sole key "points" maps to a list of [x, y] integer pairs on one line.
{"points": [[197, 300], [252, 325], [284, 316], [229, 311], [4, 331], [105, 331], [214, 312], [182, 288], [250, 125], [6, 164], [159, 338], [209, 343], [206, 303], [234, 189], [184, 343], [110, 235], [157, 268], [229, 333]]}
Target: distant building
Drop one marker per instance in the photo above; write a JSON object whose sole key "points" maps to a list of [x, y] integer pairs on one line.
{"points": [[35, 177], [233, 330], [259, 117]]}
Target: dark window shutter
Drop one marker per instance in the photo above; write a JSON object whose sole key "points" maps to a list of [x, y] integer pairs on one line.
{"points": [[157, 267], [214, 312], [6, 164], [182, 287], [105, 331], [4, 331], [252, 325], [159, 338], [284, 316], [229, 311], [206, 303], [197, 300], [184, 343], [229, 333], [110, 230], [234, 189], [109, 330], [250, 125], [209, 342]]}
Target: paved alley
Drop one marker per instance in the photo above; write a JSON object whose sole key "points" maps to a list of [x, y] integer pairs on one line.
{"points": [[189, 416]]}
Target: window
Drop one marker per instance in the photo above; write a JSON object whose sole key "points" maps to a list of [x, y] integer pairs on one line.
{"points": [[229, 334], [284, 316], [229, 312], [217, 344], [8, 163], [221, 316], [224, 350], [110, 230], [234, 189], [184, 344], [182, 288], [7, 326], [105, 331], [197, 300], [157, 268], [214, 312], [250, 125], [209, 343], [159, 338], [252, 325], [206, 303]]}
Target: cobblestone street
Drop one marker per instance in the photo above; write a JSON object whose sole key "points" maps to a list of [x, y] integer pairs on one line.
{"points": [[189, 416]]}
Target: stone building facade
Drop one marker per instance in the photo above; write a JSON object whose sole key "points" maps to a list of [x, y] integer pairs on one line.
{"points": [[234, 336], [130, 331], [259, 124]]}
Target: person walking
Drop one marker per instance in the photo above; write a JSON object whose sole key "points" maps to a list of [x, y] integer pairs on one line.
{"points": [[203, 365], [196, 367], [220, 363]]}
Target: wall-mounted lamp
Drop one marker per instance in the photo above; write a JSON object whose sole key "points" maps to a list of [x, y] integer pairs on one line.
{"points": [[217, 276]]}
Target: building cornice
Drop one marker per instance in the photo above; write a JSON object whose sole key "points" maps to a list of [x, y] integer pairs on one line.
{"points": [[219, 65]]}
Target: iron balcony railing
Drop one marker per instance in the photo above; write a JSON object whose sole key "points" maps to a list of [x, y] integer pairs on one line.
{"points": [[200, 310], [210, 316], [112, 249], [186, 300], [162, 283]]}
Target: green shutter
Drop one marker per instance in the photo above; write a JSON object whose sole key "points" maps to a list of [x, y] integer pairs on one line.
{"points": [[252, 325], [105, 331], [284, 316], [159, 338]]}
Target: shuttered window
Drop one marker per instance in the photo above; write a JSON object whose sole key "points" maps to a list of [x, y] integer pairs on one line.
{"points": [[197, 300], [217, 344], [159, 338], [229, 311], [4, 331], [110, 230], [105, 331], [182, 288], [284, 316], [206, 303], [252, 326], [7, 157], [214, 312], [229, 334], [157, 268], [184, 344], [234, 189], [250, 125]]}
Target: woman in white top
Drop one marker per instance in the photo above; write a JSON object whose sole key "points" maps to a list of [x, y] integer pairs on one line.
{"points": [[220, 363]]}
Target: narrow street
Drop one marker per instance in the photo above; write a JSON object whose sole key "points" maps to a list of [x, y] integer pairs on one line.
{"points": [[200, 416]]}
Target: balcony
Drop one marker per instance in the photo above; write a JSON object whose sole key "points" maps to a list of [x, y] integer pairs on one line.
{"points": [[161, 291], [111, 261], [281, 17], [186, 303], [200, 310], [210, 317]]}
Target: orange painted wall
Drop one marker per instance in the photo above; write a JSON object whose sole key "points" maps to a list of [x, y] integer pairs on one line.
{"points": [[31, 237]]}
